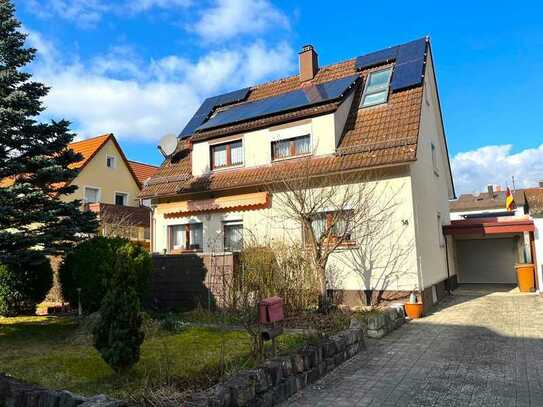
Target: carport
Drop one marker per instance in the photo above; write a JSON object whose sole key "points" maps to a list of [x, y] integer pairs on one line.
{"points": [[486, 250]]}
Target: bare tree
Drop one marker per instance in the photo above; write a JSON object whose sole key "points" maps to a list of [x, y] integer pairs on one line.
{"points": [[117, 223], [381, 254], [333, 211]]}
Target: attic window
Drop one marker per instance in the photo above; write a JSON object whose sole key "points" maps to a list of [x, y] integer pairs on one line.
{"points": [[110, 161], [377, 85]]}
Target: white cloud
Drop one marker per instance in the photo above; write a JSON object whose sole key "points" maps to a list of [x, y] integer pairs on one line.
{"points": [[88, 13], [474, 170], [230, 18], [140, 99], [144, 5]]}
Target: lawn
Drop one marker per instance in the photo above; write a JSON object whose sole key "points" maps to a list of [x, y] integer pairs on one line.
{"points": [[49, 351]]}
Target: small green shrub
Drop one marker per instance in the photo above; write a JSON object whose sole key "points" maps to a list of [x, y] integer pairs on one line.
{"points": [[89, 266], [118, 334], [23, 286]]}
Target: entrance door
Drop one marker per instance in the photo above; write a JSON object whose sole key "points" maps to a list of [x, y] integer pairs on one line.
{"points": [[487, 260]]}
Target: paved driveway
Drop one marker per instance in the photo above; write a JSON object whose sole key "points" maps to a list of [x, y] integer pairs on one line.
{"points": [[476, 349]]}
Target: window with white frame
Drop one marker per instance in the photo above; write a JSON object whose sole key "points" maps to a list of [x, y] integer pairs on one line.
{"points": [[186, 237], [233, 235], [110, 162], [121, 198], [434, 159], [376, 90], [92, 195]]}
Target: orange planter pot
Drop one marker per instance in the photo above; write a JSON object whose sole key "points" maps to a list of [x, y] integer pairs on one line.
{"points": [[413, 311], [525, 277]]}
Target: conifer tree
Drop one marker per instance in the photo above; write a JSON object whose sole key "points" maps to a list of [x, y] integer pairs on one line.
{"points": [[34, 159], [118, 334]]}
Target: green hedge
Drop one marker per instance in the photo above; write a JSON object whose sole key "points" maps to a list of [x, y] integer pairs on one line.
{"points": [[89, 266], [23, 286]]}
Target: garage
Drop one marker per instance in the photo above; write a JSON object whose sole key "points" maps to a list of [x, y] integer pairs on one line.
{"points": [[487, 260], [486, 250]]}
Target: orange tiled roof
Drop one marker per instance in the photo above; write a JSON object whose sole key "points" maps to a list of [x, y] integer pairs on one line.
{"points": [[143, 171], [88, 148], [382, 135]]}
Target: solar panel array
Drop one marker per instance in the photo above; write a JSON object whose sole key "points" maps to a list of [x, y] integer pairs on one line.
{"points": [[207, 107], [409, 67], [307, 96]]}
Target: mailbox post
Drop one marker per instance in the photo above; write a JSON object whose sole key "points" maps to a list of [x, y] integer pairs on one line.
{"points": [[270, 311]]}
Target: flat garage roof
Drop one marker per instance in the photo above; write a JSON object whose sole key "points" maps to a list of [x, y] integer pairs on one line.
{"points": [[490, 226]]}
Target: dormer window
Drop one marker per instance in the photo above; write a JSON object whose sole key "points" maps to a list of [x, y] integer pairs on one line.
{"points": [[377, 85], [291, 147], [227, 155]]}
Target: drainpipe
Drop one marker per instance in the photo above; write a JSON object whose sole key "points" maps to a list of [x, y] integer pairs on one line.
{"points": [[448, 267]]}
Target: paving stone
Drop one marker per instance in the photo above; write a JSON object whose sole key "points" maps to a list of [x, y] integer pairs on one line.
{"points": [[477, 348]]}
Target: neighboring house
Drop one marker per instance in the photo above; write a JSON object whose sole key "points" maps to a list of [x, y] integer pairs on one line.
{"points": [[109, 185], [378, 111], [489, 240]]}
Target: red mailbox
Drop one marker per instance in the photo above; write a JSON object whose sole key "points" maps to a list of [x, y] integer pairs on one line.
{"points": [[270, 310]]}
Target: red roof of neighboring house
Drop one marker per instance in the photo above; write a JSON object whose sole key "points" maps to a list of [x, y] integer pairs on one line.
{"points": [[383, 135], [143, 171], [88, 148]]}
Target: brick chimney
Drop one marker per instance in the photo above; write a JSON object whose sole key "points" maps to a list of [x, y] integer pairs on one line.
{"points": [[309, 63]]}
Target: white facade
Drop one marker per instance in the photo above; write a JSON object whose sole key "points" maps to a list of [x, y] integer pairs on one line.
{"points": [[422, 190]]}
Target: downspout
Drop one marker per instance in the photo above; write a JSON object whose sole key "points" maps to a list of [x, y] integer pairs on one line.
{"points": [[448, 267]]}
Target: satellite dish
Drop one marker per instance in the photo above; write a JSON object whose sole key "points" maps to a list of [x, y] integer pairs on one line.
{"points": [[167, 145]]}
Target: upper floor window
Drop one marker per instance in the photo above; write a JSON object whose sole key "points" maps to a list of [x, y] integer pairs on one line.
{"points": [[291, 147], [376, 91], [227, 154], [110, 161], [434, 159]]}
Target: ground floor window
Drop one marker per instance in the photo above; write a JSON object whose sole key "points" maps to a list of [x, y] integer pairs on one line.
{"points": [[186, 237], [233, 235], [333, 225]]}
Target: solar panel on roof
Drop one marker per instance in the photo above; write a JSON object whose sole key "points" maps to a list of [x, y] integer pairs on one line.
{"points": [[407, 75], [409, 59], [207, 107], [307, 96]]}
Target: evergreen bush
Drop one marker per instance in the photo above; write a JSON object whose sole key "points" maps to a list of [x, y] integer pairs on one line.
{"points": [[118, 334], [23, 286], [89, 266]]}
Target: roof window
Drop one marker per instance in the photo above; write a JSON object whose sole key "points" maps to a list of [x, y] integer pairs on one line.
{"points": [[376, 90]]}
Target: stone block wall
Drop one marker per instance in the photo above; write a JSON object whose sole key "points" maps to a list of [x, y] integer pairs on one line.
{"points": [[14, 393], [386, 321], [276, 380]]}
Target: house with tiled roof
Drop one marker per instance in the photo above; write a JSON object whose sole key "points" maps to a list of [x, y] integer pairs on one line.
{"points": [[490, 240], [377, 115], [109, 185]]}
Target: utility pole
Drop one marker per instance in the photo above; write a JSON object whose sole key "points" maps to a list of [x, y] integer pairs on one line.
{"points": [[513, 180]]}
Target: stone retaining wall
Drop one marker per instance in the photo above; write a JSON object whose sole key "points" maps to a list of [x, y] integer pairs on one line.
{"points": [[386, 321], [17, 394], [278, 379]]}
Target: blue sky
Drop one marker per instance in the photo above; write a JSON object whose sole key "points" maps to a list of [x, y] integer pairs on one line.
{"points": [[140, 68]]}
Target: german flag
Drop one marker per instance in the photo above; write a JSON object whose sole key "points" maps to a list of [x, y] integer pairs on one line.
{"points": [[509, 200]]}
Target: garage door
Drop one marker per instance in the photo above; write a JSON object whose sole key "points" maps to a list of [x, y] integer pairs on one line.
{"points": [[486, 260]]}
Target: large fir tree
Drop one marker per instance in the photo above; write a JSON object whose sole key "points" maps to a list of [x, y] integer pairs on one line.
{"points": [[34, 160]]}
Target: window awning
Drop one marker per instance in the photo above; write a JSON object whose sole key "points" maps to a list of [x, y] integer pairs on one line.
{"points": [[490, 226], [242, 202]]}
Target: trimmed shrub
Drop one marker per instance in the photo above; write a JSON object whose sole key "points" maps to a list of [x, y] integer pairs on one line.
{"points": [[89, 266], [23, 286], [118, 334]]}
